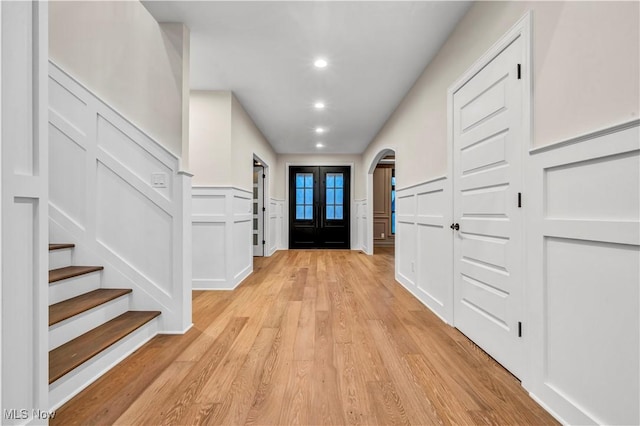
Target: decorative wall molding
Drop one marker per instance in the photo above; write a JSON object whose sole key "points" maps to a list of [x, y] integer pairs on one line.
{"points": [[24, 196], [102, 170], [360, 214], [222, 229], [424, 248], [583, 244], [587, 136], [276, 225]]}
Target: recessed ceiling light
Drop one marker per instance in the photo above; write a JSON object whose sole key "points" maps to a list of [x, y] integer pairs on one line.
{"points": [[319, 105], [319, 130], [320, 63], [319, 145]]}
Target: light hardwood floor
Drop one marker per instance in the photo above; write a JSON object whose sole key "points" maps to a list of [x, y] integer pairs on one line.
{"points": [[312, 337]]}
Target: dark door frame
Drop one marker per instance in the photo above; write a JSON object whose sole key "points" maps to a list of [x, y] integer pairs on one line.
{"points": [[285, 219]]}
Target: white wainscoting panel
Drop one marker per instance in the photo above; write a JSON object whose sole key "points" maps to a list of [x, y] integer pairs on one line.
{"points": [[242, 231], [424, 245], [222, 229], [104, 201], [583, 244], [360, 240], [23, 199], [276, 224]]}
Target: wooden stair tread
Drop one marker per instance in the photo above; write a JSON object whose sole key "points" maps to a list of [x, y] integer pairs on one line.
{"points": [[68, 308], [65, 358], [71, 271], [60, 246]]}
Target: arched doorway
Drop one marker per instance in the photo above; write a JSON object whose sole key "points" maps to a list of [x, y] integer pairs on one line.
{"points": [[380, 227]]}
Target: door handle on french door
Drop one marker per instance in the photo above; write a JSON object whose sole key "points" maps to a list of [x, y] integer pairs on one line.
{"points": [[455, 226]]}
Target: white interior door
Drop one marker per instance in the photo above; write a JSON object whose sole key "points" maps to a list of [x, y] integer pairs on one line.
{"points": [[487, 168], [258, 211]]}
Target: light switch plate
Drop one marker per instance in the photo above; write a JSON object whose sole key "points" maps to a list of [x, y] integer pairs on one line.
{"points": [[159, 180]]}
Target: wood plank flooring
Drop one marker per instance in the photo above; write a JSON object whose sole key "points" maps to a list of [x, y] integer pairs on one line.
{"points": [[311, 337]]}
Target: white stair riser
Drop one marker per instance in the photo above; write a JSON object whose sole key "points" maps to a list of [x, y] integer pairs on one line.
{"points": [[60, 258], [72, 383], [72, 287], [77, 325]]}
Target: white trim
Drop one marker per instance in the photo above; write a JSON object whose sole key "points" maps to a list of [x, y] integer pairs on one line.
{"points": [[178, 333], [266, 235], [3, 205], [236, 188], [24, 184], [415, 185], [548, 409], [41, 130], [587, 136]]}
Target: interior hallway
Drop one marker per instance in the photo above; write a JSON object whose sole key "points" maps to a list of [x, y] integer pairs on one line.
{"points": [[311, 337]]}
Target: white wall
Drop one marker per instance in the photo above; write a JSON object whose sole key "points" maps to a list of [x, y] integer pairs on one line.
{"points": [[210, 137], [247, 141], [223, 141], [586, 65], [24, 201], [122, 54]]}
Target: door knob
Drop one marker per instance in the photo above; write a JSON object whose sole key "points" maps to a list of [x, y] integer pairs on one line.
{"points": [[455, 226]]}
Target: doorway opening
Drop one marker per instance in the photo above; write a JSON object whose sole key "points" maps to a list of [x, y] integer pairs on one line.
{"points": [[488, 124], [259, 208], [319, 207], [384, 203], [381, 215]]}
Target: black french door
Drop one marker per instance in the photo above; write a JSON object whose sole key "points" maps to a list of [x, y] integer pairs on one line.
{"points": [[319, 207]]}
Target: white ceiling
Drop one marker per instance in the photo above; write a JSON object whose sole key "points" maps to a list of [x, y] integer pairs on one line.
{"points": [[264, 52]]}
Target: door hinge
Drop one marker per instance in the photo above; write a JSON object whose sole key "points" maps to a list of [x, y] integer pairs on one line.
{"points": [[263, 242], [519, 329], [264, 209], [264, 176], [519, 71], [519, 199]]}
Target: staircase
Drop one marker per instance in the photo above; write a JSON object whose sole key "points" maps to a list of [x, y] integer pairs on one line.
{"points": [[91, 328]]}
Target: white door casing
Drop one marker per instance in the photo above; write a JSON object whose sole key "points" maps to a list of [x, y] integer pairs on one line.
{"points": [[489, 135], [258, 213]]}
